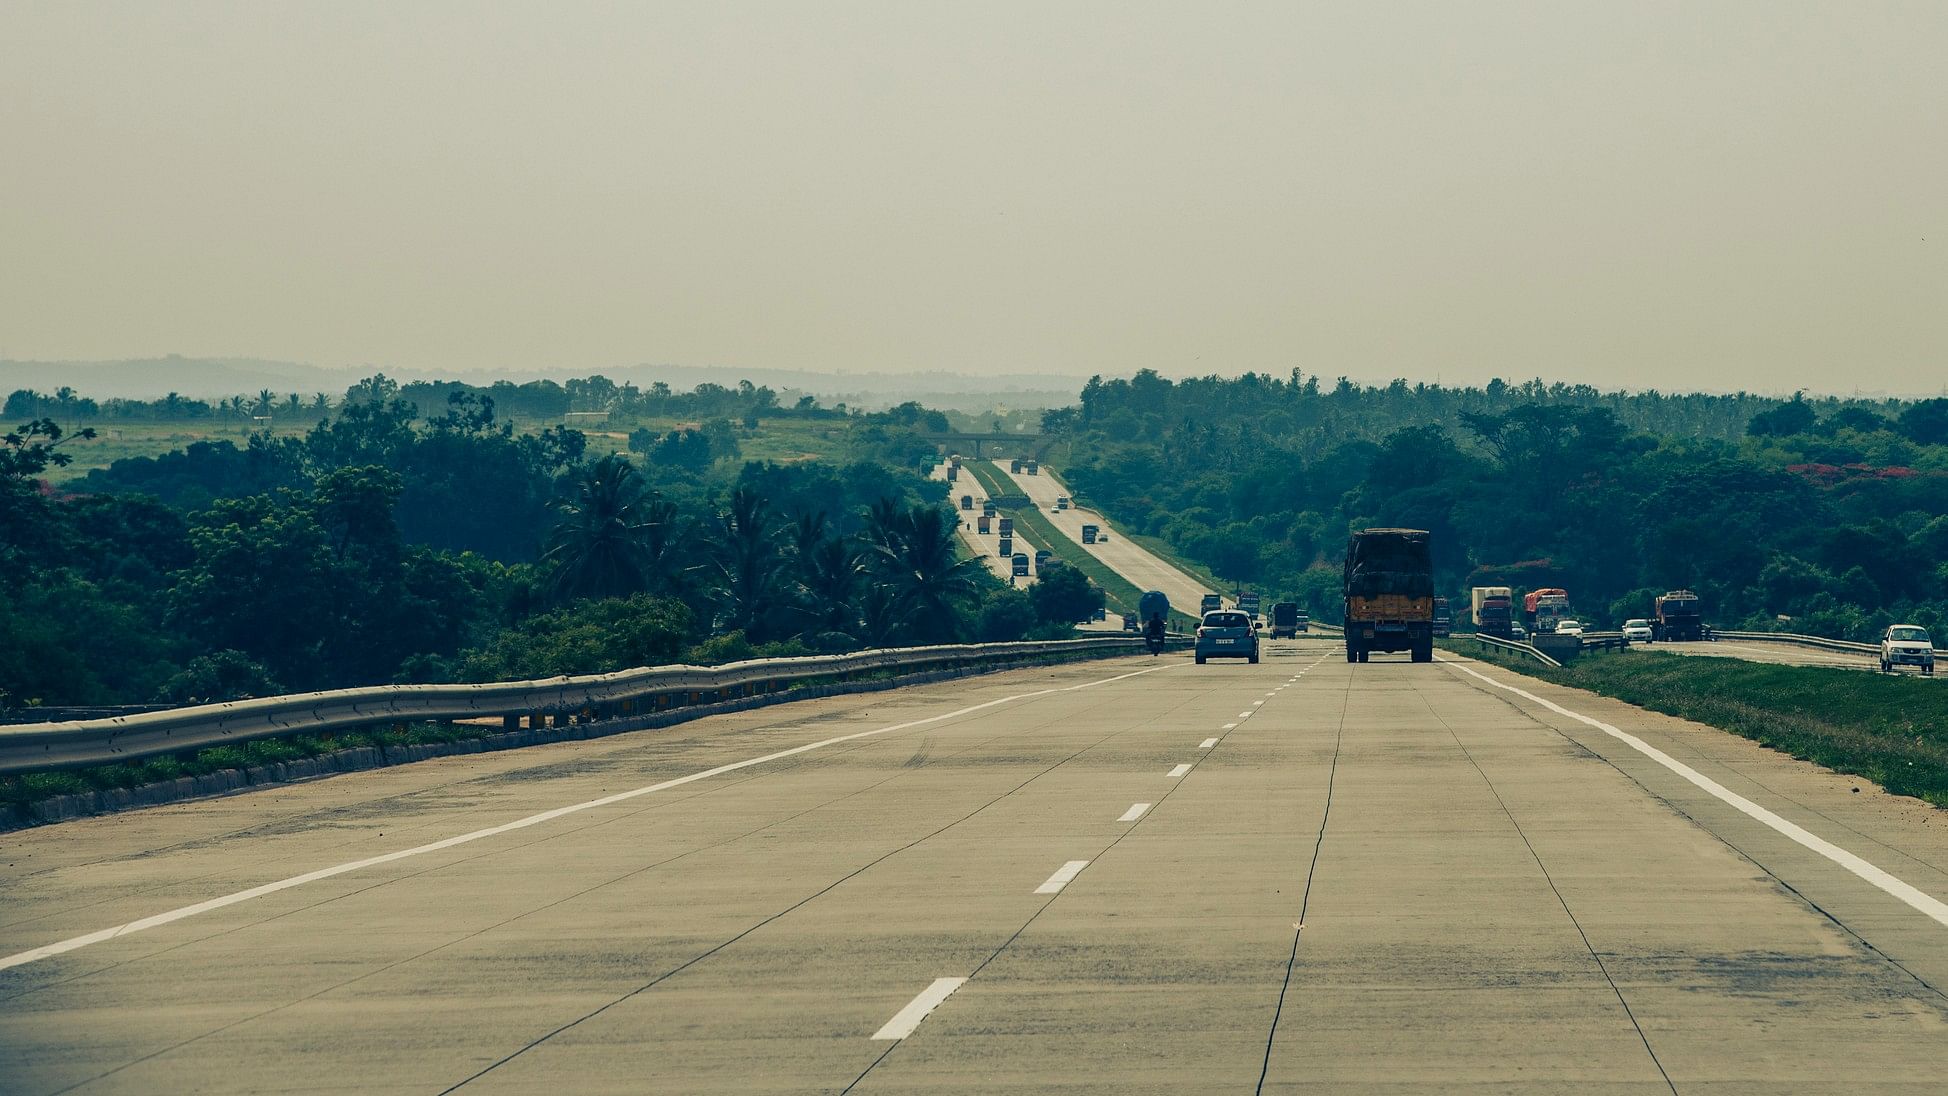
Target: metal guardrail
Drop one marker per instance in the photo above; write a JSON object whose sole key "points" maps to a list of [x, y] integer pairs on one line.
{"points": [[1517, 648], [132, 737], [1604, 641], [1845, 645]]}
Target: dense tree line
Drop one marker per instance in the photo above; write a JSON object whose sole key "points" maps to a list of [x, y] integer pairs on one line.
{"points": [[386, 545], [1831, 513]]}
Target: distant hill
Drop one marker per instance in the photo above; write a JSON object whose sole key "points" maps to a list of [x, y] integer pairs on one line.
{"points": [[149, 378]]}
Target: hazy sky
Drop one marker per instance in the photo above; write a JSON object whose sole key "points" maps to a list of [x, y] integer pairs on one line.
{"points": [[1715, 195]]}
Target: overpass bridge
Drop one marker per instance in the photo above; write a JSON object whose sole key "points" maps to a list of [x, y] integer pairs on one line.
{"points": [[1008, 444]]}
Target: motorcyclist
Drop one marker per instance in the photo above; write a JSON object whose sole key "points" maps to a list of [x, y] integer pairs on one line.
{"points": [[1153, 634]]}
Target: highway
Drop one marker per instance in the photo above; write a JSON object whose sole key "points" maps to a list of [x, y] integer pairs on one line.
{"points": [[1124, 556], [982, 546], [1127, 876], [1783, 654]]}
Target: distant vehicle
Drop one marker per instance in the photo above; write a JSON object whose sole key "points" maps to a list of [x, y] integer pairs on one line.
{"points": [[1494, 610], [1389, 591], [1007, 546], [1906, 645], [1101, 613], [1042, 557], [1541, 609], [1211, 604], [1226, 633], [1007, 526], [984, 523], [1153, 612], [1033, 468], [955, 460], [1518, 633], [1285, 620], [1637, 630], [1014, 465], [1089, 534], [953, 472], [1568, 627], [967, 502], [987, 506], [1021, 565], [1305, 621], [1129, 623], [1443, 619], [1061, 502], [1677, 616], [1248, 602]]}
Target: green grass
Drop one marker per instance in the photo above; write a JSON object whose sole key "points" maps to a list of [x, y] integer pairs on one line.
{"points": [[1121, 594], [1892, 730], [19, 790], [1156, 546]]}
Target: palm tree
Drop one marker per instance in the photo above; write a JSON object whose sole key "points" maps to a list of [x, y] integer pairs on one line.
{"points": [[266, 401], [927, 572], [748, 564], [831, 573], [597, 546], [664, 542]]}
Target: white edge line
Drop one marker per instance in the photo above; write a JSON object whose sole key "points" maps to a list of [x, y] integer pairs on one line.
{"points": [[181, 912], [1062, 877], [1207, 744], [1135, 812], [1920, 900], [1178, 771], [916, 1010]]}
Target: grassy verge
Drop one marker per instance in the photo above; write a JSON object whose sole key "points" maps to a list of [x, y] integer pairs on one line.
{"points": [[1156, 546], [18, 790], [1892, 730]]}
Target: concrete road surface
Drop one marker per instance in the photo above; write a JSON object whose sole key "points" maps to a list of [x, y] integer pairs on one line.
{"points": [[1784, 654], [986, 546], [1134, 876], [1122, 555]]}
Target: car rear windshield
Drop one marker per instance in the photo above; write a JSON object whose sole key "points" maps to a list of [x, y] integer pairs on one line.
{"points": [[1908, 635], [1227, 620]]}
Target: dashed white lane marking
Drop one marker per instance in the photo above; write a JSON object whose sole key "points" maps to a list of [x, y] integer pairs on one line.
{"points": [[1207, 744], [1062, 876], [1135, 812], [181, 912], [1257, 703], [908, 1018], [1179, 771], [1229, 727], [1244, 715], [1915, 897]]}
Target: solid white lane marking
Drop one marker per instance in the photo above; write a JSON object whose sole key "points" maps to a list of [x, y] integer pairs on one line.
{"points": [[1179, 771], [1207, 744], [1062, 877], [1135, 812], [181, 912], [908, 1018], [1914, 896]]}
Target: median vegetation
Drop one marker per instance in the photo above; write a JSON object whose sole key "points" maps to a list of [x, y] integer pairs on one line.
{"points": [[1892, 730]]}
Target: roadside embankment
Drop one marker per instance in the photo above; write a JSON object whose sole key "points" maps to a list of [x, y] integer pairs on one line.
{"points": [[1891, 729]]}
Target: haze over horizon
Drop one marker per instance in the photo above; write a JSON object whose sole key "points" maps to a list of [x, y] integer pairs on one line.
{"points": [[1734, 196]]}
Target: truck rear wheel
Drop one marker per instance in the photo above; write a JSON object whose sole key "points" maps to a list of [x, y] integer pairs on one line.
{"points": [[1424, 652], [1352, 653]]}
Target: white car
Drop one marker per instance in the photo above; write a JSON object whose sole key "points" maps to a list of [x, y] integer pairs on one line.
{"points": [[1906, 645], [1637, 630], [1569, 627]]}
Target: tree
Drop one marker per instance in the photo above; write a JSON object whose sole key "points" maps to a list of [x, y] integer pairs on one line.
{"points": [[1064, 595], [1926, 423], [927, 574], [596, 548], [749, 566], [1785, 420]]}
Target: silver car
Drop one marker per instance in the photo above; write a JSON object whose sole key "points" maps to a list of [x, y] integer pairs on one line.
{"points": [[1906, 645], [1227, 633]]}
